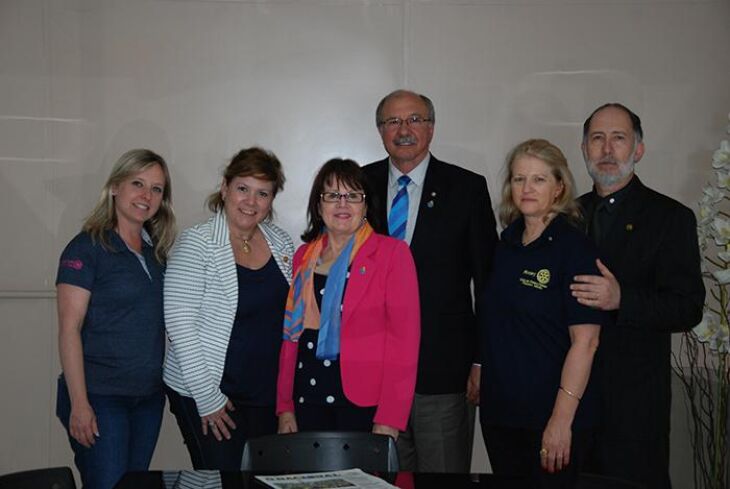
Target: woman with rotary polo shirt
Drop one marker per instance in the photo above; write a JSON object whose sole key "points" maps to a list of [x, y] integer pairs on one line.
{"points": [[538, 343]]}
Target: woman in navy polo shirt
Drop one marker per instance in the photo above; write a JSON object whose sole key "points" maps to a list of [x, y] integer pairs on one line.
{"points": [[225, 292], [111, 326], [537, 406]]}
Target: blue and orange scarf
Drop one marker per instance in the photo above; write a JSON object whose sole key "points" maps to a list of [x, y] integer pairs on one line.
{"points": [[301, 306]]}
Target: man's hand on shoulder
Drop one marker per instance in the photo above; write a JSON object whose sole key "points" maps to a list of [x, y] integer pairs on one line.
{"points": [[600, 291]]}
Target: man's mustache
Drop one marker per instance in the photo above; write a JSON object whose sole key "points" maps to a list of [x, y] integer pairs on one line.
{"points": [[403, 140]]}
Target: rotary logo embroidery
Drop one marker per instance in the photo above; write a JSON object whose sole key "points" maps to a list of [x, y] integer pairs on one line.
{"points": [[543, 276], [537, 280]]}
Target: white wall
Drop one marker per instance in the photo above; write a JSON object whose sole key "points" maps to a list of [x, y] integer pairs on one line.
{"points": [[83, 80]]}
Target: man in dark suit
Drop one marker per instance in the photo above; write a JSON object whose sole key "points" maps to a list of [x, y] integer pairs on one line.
{"points": [[651, 281], [444, 213]]}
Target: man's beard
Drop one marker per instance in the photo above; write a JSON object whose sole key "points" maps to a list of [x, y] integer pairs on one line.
{"points": [[605, 179]]}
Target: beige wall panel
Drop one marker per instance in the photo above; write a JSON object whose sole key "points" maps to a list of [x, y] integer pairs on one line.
{"points": [[30, 214], [24, 74], [26, 379], [503, 73], [217, 76]]}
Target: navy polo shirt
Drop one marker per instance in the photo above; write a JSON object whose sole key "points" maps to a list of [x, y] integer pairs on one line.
{"points": [[123, 330], [524, 313]]}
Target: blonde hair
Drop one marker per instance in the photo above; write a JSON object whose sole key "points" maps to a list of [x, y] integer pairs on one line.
{"points": [[551, 155], [103, 217]]}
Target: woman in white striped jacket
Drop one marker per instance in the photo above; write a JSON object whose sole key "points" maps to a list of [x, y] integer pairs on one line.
{"points": [[225, 292]]}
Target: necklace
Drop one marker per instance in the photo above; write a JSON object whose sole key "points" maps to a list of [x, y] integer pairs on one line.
{"points": [[245, 247]]}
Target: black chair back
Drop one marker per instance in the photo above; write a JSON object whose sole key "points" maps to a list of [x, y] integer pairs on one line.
{"points": [[320, 450], [53, 478]]}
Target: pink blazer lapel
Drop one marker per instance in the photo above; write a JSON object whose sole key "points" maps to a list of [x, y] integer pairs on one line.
{"points": [[362, 272]]}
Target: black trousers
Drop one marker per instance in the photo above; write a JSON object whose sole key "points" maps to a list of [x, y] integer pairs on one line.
{"points": [[516, 452], [205, 451], [643, 461]]}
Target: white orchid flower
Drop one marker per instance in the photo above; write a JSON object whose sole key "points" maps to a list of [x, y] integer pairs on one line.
{"points": [[712, 331], [723, 178], [712, 194], [707, 327], [719, 341], [722, 276], [706, 214], [721, 231], [713, 226], [721, 157], [724, 256]]}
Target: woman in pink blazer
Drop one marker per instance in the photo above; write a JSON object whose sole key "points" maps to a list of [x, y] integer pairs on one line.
{"points": [[352, 326]]}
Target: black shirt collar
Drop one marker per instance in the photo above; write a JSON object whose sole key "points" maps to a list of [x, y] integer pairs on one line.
{"points": [[612, 201]]}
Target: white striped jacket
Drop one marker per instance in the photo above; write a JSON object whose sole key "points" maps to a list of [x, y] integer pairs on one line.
{"points": [[201, 296]]}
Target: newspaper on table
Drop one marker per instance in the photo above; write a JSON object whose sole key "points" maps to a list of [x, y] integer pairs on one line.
{"points": [[350, 479]]}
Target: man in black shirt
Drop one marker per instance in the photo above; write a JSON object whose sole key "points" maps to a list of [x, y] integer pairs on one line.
{"points": [[650, 282]]}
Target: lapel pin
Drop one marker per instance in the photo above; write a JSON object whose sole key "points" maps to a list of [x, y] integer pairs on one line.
{"points": [[629, 227], [362, 270], [430, 203]]}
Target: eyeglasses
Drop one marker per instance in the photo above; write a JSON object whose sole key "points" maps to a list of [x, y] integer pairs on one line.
{"points": [[350, 197], [411, 121]]}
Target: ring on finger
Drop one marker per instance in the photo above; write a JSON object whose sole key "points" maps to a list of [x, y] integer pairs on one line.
{"points": [[212, 423], [543, 452]]}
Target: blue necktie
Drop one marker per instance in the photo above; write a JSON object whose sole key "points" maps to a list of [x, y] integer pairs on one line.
{"points": [[399, 210]]}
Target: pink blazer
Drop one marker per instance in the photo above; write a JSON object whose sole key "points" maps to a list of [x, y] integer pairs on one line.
{"points": [[381, 330]]}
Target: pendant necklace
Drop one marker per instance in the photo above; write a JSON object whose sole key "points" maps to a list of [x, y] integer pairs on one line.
{"points": [[246, 247]]}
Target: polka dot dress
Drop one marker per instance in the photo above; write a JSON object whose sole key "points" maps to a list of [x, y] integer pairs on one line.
{"points": [[316, 381]]}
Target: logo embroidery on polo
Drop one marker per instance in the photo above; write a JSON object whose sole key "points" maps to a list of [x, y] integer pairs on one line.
{"points": [[72, 264], [537, 280], [543, 276]]}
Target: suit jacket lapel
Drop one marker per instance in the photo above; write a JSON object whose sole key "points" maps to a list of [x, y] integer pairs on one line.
{"points": [[428, 208], [361, 273], [379, 181]]}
